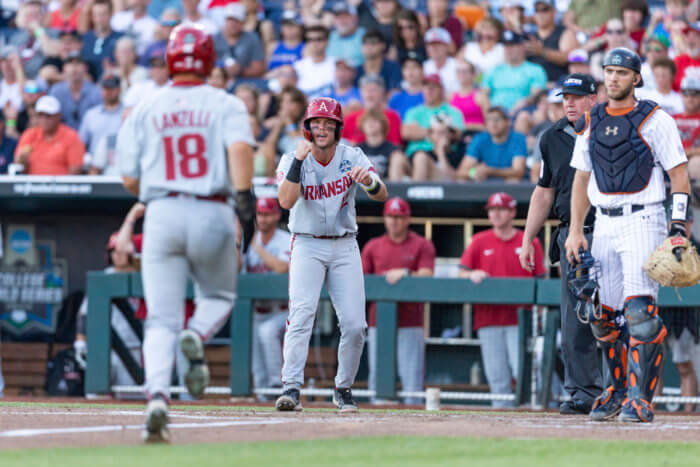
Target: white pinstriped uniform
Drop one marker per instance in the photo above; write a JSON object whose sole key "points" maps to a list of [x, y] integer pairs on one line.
{"points": [[622, 244]]}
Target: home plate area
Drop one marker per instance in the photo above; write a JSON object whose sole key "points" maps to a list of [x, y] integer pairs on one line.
{"points": [[62, 425]]}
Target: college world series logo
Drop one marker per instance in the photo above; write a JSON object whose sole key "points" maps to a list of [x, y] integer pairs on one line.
{"points": [[33, 282]]}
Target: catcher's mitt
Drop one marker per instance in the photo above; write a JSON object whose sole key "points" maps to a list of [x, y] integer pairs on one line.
{"points": [[674, 263]]}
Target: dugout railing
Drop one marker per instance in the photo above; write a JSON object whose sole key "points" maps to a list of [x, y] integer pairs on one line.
{"points": [[103, 289]]}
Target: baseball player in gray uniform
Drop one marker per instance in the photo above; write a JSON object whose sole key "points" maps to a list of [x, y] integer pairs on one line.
{"points": [[183, 150], [627, 145], [320, 191]]}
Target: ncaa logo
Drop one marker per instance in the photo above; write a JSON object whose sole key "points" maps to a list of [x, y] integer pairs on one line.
{"points": [[345, 166]]}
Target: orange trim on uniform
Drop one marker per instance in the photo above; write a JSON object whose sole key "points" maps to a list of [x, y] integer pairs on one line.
{"points": [[639, 128], [659, 339], [618, 112], [588, 122]]}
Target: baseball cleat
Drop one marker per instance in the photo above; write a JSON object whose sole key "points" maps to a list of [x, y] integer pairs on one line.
{"points": [[608, 405], [342, 398], [156, 430], [289, 401], [574, 407], [636, 411], [197, 376]]}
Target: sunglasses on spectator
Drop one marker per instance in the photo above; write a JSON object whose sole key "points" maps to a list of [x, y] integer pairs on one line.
{"points": [[316, 39], [690, 93], [170, 24], [655, 49], [615, 31]]}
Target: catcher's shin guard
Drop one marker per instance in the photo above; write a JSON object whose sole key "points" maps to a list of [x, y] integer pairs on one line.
{"points": [[613, 339], [645, 357]]}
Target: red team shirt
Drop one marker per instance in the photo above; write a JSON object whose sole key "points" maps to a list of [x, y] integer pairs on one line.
{"points": [[499, 259], [683, 62], [381, 254], [689, 129], [353, 132]]}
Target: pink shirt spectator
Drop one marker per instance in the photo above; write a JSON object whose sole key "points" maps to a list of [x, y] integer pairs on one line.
{"points": [[469, 108]]}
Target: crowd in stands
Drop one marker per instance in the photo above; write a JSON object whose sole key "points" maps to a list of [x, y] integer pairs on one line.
{"points": [[431, 89]]}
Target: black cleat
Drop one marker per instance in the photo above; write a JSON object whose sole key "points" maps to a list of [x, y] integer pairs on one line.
{"points": [[289, 401], [342, 398]]}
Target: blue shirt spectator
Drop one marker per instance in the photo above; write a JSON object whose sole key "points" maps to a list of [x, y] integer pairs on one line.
{"points": [[403, 101], [345, 41], [374, 51], [99, 42], [353, 94], [498, 155], [284, 55], [104, 119], [73, 110]]}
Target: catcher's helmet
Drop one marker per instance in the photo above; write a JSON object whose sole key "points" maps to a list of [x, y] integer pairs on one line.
{"points": [[624, 57], [582, 277], [323, 107], [190, 49]]}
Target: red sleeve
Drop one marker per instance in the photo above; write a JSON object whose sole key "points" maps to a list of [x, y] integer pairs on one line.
{"points": [[426, 255], [367, 263], [351, 131], [681, 63], [394, 135], [539, 258], [470, 256]]}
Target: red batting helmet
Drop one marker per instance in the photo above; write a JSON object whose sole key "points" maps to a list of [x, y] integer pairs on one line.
{"points": [[323, 107], [190, 50]]}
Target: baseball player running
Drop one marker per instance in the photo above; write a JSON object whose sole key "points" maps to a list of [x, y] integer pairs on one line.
{"points": [[627, 145], [180, 151], [320, 191]]}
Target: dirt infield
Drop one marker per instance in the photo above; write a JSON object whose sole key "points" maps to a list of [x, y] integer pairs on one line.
{"points": [[54, 425]]}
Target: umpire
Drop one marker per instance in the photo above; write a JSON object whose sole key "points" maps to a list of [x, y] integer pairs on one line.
{"points": [[582, 378]]}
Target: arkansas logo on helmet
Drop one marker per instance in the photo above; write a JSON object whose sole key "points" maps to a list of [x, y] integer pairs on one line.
{"points": [[190, 49], [323, 107]]}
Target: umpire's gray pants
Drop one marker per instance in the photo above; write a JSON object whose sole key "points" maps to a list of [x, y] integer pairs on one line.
{"points": [[582, 378]]}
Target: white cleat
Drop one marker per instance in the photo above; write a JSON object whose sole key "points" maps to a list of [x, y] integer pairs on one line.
{"points": [[197, 376], [156, 430]]}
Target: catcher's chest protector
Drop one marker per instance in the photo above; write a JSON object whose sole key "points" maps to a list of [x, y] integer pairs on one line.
{"points": [[622, 161]]}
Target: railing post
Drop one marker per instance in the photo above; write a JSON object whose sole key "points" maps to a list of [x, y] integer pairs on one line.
{"points": [[549, 354], [525, 356], [386, 350], [241, 338]]}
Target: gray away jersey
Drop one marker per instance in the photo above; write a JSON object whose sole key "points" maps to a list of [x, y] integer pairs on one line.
{"points": [[326, 205], [176, 141]]}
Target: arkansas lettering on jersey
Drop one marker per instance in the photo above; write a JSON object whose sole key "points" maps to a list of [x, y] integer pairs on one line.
{"points": [[335, 188]]}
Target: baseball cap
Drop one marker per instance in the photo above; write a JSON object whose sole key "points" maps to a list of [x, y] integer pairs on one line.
{"points": [[432, 79], [74, 57], [412, 56], [501, 200], [512, 38], [372, 79], [48, 105], [344, 7], [437, 35], [35, 86], [555, 96], [267, 205], [579, 84], [110, 81], [511, 3], [290, 16], [578, 56], [397, 207], [690, 83], [235, 10]]}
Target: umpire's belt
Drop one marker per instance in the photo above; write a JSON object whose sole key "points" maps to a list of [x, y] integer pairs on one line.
{"points": [[328, 237], [622, 210], [216, 198]]}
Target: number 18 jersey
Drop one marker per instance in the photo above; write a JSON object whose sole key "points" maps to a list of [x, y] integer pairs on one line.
{"points": [[176, 140]]}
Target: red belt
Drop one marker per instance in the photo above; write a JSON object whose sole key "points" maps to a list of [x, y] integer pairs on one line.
{"points": [[215, 198]]}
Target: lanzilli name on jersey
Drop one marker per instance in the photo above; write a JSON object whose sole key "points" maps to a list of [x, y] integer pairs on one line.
{"points": [[182, 119], [327, 190]]}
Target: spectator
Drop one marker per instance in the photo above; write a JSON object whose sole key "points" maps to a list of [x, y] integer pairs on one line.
{"points": [[689, 123], [127, 69], [486, 52], [103, 120], [375, 127], [374, 50], [32, 42], [76, 94], [634, 16], [18, 122], [661, 23], [289, 49], [549, 47], [690, 59], [416, 126], [411, 94], [373, 95], [136, 23], [494, 253], [7, 148], [470, 100], [158, 77], [269, 252], [408, 39], [345, 40], [664, 75], [249, 95], [513, 83], [513, 15], [217, 78], [280, 78], [66, 16], [437, 42], [51, 148], [99, 42], [12, 79], [613, 37], [192, 15], [168, 20], [498, 152], [654, 49], [70, 43], [439, 16], [578, 62], [397, 254], [588, 15], [316, 70], [344, 90], [284, 129], [442, 162], [255, 21], [380, 17], [241, 51]]}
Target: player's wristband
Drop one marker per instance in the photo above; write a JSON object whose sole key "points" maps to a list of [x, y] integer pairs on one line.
{"points": [[294, 172], [374, 187], [679, 207]]}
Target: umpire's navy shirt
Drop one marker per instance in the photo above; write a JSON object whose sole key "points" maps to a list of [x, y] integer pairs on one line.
{"points": [[556, 146]]}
